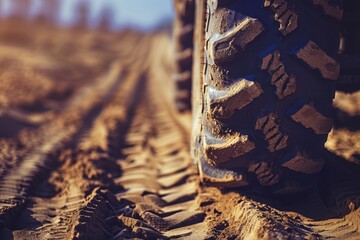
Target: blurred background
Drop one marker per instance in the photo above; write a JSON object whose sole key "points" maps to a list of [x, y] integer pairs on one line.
{"points": [[112, 14], [50, 49]]}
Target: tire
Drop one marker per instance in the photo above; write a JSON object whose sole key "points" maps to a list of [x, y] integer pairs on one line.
{"points": [[265, 91], [349, 80], [183, 37]]}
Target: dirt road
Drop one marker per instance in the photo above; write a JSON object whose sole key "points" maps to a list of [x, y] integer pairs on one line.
{"points": [[109, 159]]}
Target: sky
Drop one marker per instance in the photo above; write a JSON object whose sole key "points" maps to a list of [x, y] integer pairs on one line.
{"points": [[142, 14]]}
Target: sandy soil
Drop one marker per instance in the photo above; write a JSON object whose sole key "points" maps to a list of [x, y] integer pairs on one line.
{"points": [[92, 148]]}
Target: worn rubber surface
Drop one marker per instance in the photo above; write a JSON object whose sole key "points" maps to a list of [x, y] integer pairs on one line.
{"points": [[269, 84]]}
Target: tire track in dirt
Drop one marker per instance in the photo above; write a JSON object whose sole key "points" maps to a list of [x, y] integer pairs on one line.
{"points": [[160, 182], [159, 179], [19, 178], [61, 205], [82, 202]]}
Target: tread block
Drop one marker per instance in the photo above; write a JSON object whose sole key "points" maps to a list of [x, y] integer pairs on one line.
{"points": [[264, 173], [333, 10], [221, 177], [285, 84], [309, 117], [304, 164], [270, 128], [234, 98], [317, 59], [221, 18], [222, 151], [286, 18], [224, 47]]}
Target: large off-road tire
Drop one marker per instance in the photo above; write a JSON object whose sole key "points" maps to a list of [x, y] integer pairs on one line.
{"points": [[265, 91], [349, 80], [183, 37]]}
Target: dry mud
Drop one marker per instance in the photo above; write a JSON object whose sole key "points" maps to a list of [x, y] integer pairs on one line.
{"points": [[108, 156]]}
